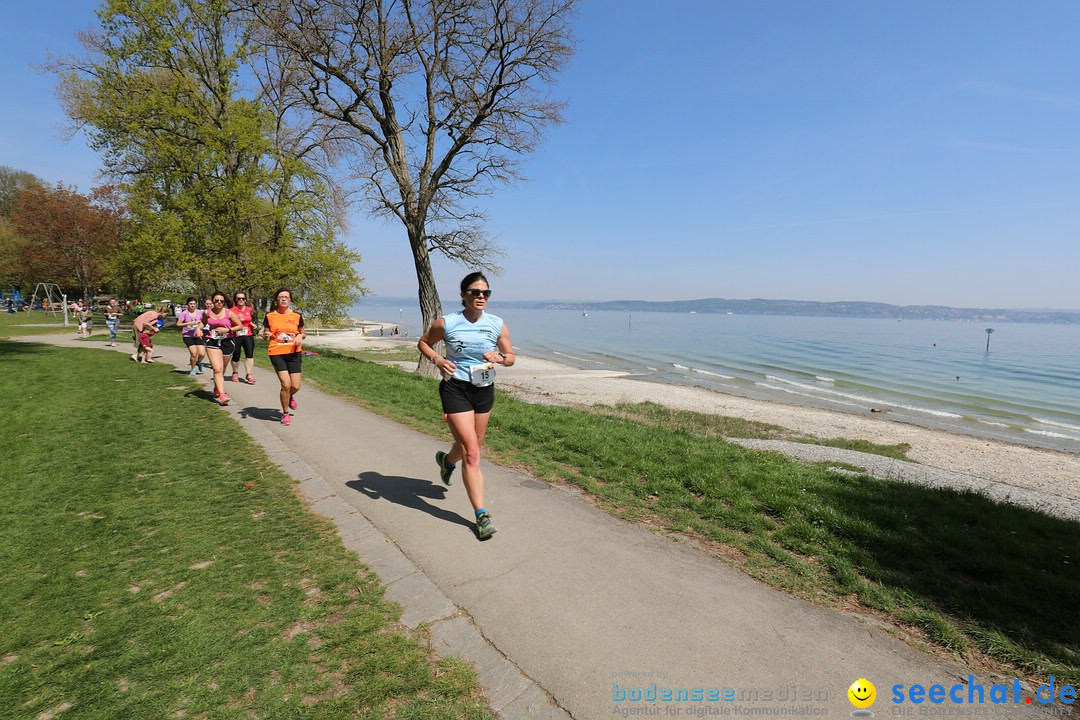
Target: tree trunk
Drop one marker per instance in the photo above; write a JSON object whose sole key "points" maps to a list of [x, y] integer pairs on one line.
{"points": [[430, 305]]}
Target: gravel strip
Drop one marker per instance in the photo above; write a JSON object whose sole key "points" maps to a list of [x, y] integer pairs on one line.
{"points": [[890, 469]]}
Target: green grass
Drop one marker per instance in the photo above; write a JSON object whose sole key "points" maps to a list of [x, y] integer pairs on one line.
{"points": [[38, 323], [156, 564], [967, 573]]}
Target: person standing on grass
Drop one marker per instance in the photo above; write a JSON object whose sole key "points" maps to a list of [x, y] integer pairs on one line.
{"points": [[221, 343], [245, 339], [113, 311], [142, 324], [475, 341], [190, 321], [283, 330]]}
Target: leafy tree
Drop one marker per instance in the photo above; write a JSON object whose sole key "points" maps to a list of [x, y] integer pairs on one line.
{"points": [[214, 192], [67, 234], [13, 273], [12, 181], [435, 101]]}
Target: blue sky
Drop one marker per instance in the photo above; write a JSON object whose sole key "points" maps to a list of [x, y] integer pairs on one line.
{"points": [[913, 153]]}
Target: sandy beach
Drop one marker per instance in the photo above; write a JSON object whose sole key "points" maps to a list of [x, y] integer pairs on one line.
{"points": [[1050, 473]]}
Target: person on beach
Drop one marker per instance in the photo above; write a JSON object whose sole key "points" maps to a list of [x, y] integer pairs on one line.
{"points": [[190, 321], [145, 323], [475, 342], [113, 311], [245, 338], [283, 330], [220, 344]]}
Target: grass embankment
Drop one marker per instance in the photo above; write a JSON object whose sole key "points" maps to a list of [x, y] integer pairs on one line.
{"points": [[156, 564], [40, 323], [974, 576]]}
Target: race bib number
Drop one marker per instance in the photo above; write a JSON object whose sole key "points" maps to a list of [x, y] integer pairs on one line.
{"points": [[215, 335], [482, 375], [285, 337], [242, 332]]}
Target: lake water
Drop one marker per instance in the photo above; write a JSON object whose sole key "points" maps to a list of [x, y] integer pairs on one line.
{"points": [[934, 373]]}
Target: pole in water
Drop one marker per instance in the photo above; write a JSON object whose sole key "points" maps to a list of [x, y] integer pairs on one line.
{"points": [[989, 331]]}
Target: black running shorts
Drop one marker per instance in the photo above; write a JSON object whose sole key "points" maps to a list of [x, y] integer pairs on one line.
{"points": [[225, 345], [190, 340], [459, 396], [288, 362], [245, 343]]}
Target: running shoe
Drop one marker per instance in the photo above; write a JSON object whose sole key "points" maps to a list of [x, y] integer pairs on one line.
{"points": [[445, 471], [216, 393], [250, 380], [223, 399], [192, 372], [286, 419], [484, 528], [292, 403], [235, 377]]}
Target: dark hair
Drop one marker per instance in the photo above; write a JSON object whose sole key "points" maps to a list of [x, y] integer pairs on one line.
{"points": [[227, 303], [281, 290], [191, 299], [237, 293], [469, 280]]}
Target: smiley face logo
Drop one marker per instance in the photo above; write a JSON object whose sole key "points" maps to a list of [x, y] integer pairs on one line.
{"points": [[862, 693]]}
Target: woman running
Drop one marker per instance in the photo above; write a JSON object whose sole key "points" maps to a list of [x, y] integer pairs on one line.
{"points": [[190, 321], [283, 330], [223, 324], [245, 339], [475, 342]]}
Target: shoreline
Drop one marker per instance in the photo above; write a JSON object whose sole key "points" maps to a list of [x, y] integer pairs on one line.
{"points": [[1030, 468]]}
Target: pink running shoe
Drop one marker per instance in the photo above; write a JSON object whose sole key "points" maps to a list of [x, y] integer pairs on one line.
{"points": [[235, 377], [223, 399], [249, 380], [292, 403], [286, 419]]}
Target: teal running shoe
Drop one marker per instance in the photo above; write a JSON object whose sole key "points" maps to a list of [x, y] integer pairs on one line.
{"points": [[445, 469], [484, 528]]}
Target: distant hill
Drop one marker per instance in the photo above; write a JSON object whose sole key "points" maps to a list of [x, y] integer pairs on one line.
{"points": [[822, 309]]}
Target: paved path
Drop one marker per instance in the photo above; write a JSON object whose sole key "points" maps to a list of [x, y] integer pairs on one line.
{"points": [[565, 603]]}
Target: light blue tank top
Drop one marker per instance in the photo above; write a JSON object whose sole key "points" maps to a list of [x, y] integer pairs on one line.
{"points": [[467, 342]]}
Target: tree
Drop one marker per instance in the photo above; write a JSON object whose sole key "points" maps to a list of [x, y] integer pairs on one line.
{"points": [[213, 194], [68, 234], [435, 101], [13, 181]]}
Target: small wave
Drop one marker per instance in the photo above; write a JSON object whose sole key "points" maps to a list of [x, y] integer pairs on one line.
{"points": [[818, 392], [718, 375], [995, 424], [821, 378], [1052, 423], [1047, 433], [803, 394], [652, 368], [681, 367], [574, 357]]}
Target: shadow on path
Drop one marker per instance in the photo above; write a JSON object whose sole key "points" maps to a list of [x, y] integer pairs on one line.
{"points": [[409, 492], [260, 413]]}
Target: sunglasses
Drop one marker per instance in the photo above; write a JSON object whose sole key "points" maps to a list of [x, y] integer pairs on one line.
{"points": [[477, 292], [241, 297], [218, 300]]}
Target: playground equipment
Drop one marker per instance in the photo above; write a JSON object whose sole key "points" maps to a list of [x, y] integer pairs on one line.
{"points": [[49, 297]]}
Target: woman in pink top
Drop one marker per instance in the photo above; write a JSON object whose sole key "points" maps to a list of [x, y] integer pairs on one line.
{"points": [[224, 324], [190, 321]]}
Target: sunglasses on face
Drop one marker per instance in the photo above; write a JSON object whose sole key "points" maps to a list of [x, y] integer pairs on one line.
{"points": [[477, 292], [218, 300], [240, 297]]}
